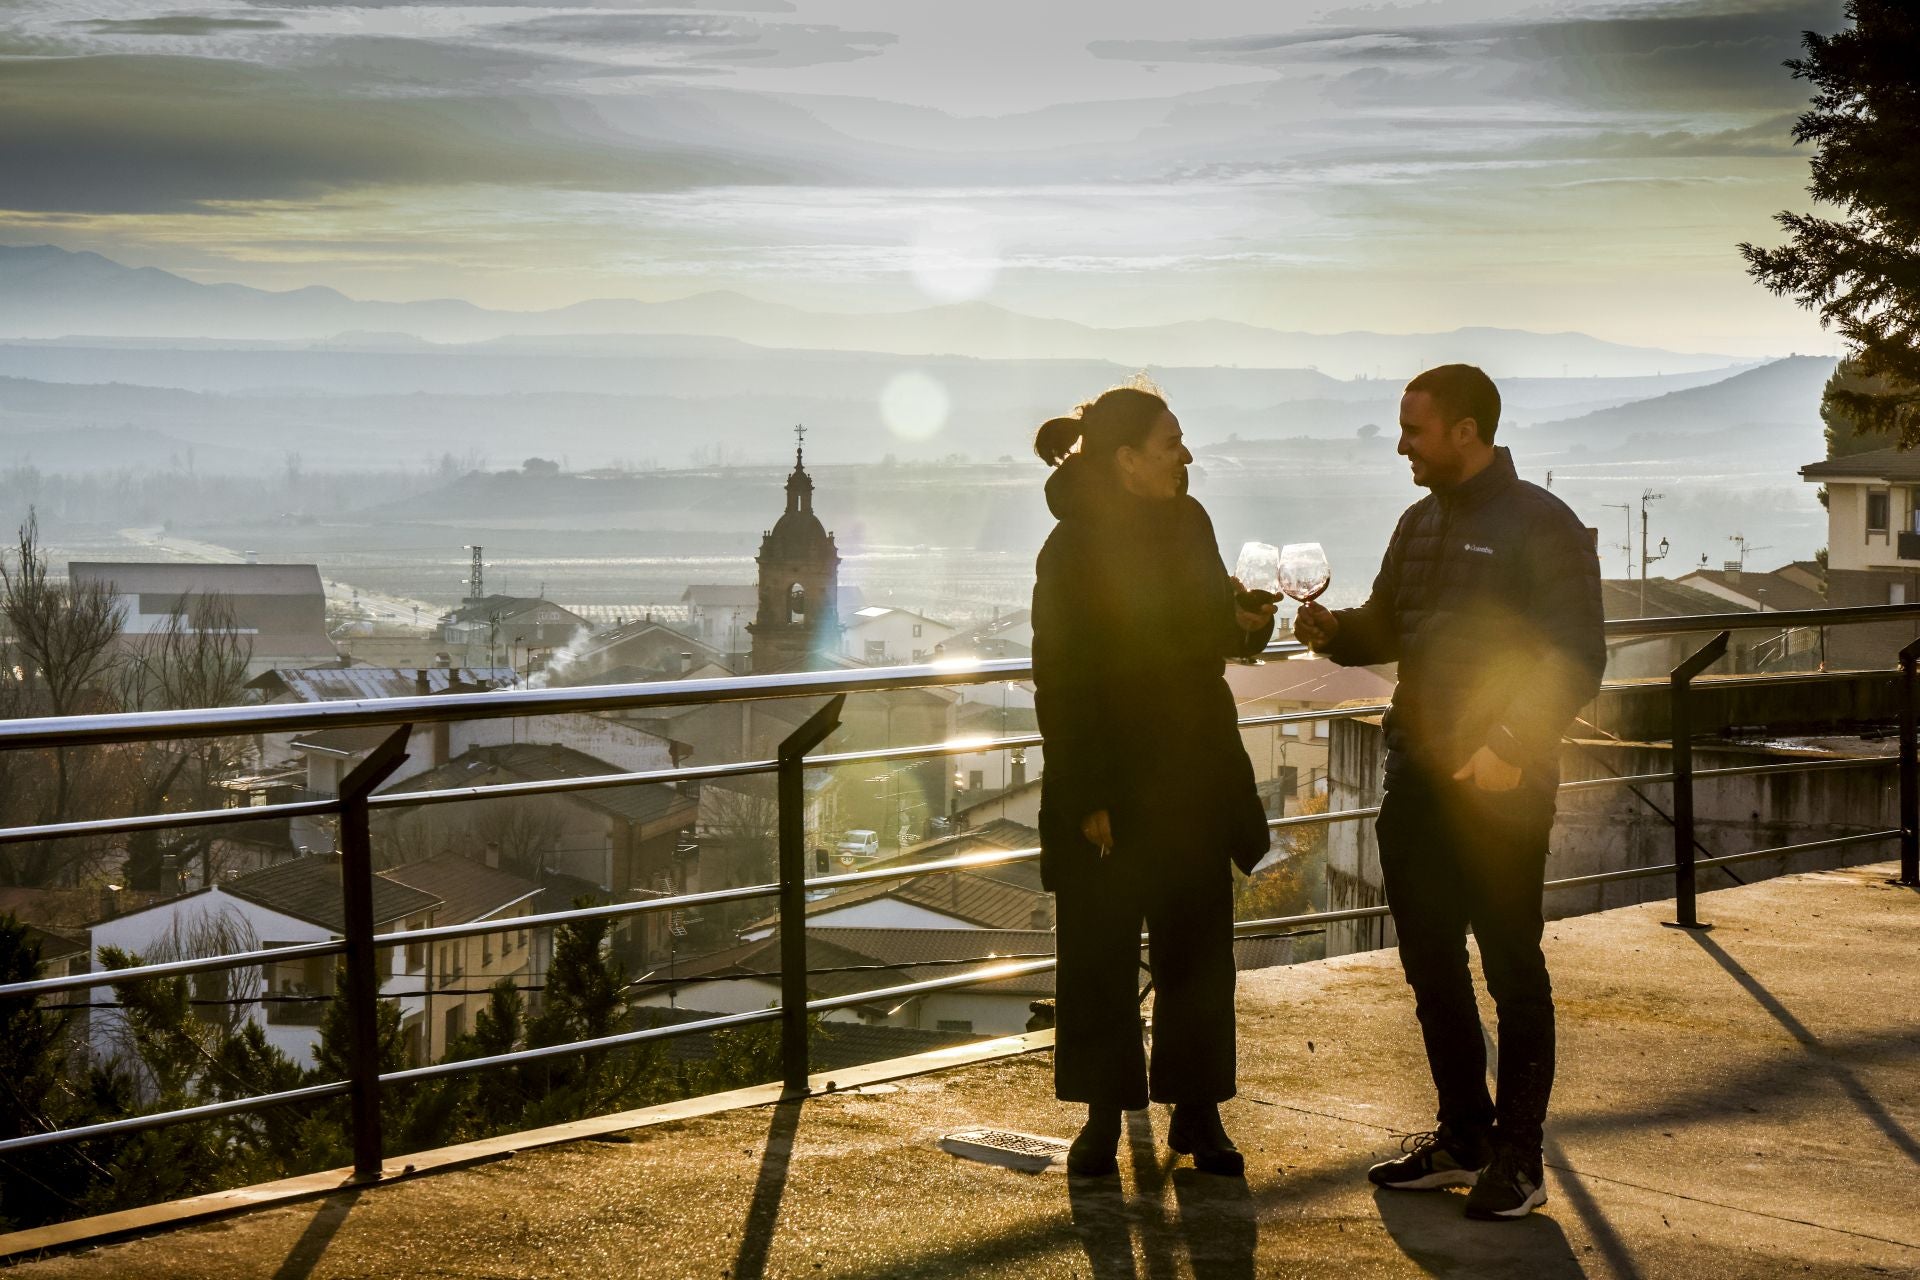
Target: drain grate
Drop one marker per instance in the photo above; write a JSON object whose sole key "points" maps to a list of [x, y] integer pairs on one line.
{"points": [[1028, 1152]]}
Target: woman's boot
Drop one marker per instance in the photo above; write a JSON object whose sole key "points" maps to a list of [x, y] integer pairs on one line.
{"points": [[1196, 1131], [1092, 1153]]}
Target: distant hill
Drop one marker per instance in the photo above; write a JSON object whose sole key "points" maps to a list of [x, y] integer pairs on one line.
{"points": [[1779, 393], [47, 292]]}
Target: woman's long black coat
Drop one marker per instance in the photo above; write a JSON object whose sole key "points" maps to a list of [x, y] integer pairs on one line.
{"points": [[1133, 617]]}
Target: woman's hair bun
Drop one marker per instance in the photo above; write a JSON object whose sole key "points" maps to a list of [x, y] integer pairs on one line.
{"points": [[1056, 439]]}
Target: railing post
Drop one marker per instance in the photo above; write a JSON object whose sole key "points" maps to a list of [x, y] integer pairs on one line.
{"points": [[363, 976], [1909, 771], [1680, 715], [792, 795]]}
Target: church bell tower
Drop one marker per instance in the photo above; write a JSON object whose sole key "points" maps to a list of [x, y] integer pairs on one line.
{"points": [[797, 626]]}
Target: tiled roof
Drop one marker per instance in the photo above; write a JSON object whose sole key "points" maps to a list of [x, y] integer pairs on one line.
{"points": [[1665, 599], [309, 889], [994, 898], [1779, 592], [468, 890], [506, 607], [336, 684], [640, 803], [1875, 464], [1314, 680]]}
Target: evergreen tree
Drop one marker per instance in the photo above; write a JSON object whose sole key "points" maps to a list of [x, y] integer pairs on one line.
{"points": [[1861, 271]]}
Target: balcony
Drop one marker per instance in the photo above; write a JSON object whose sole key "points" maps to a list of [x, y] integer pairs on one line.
{"points": [[1736, 1103], [1742, 1089]]}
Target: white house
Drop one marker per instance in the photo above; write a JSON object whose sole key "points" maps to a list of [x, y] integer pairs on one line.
{"points": [[281, 609], [293, 902], [882, 636]]}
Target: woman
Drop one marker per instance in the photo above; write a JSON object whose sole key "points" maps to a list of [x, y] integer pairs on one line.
{"points": [[1147, 795]]}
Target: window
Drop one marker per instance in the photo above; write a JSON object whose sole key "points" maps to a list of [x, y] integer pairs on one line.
{"points": [[1877, 512], [297, 978], [796, 603], [416, 956], [1291, 729], [916, 631], [957, 1026], [486, 949], [876, 651], [456, 1022], [976, 780]]}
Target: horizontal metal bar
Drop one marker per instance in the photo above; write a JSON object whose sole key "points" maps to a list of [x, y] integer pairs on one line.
{"points": [[618, 910], [1311, 917], [559, 786], [292, 717], [609, 911], [161, 1119], [166, 821], [1668, 868], [1735, 771], [173, 968], [440, 1070], [972, 978], [1311, 819], [992, 973], [145, 726], [1331, 713], [931, 751]]}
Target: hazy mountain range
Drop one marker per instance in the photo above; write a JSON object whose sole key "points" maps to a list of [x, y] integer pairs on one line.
{"points": [[47, 292]]}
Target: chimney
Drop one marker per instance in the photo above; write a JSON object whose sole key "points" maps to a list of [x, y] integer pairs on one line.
{"points": [[686, 663], [492, 856], [252, 557], [1018, 775], [421, 685], [441, 734]]}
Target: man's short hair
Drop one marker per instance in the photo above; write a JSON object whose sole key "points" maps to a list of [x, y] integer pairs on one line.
{"points": [[1463, 391]]}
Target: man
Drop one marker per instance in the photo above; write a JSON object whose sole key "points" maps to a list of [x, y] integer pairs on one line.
{"points": [[1489, 599]]}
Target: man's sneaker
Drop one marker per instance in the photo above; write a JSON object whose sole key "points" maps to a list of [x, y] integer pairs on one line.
{"points": [[1431, 1160], [1512, 1186]]}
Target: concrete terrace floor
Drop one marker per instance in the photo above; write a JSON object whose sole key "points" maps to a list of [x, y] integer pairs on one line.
{"points": [[1744, 1102]]}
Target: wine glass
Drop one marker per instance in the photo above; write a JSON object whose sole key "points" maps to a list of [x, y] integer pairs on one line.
{"points": [[1258, 569], [1304, 572]]}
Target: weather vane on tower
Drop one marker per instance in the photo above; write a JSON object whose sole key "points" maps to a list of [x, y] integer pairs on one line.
{"points": [[800, 441]]}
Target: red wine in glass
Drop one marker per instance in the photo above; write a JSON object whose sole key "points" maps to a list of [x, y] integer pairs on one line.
{"points": [[1304, 572]]}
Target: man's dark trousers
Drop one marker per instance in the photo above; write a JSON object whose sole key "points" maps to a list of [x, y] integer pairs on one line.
{"points": [[1455, 857]]}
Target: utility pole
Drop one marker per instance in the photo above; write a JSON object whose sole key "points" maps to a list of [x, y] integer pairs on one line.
{"points": [[476, 581], [1646, 496]]}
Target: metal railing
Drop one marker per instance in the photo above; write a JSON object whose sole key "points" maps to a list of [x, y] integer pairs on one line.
{"points": [[357, 800]]}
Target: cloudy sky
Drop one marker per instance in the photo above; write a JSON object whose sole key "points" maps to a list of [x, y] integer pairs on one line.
{"points": [[1395, 166]]}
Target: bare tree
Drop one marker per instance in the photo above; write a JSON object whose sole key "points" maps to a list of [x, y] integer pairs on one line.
{"points": [[196, 659], [62, 649]]}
